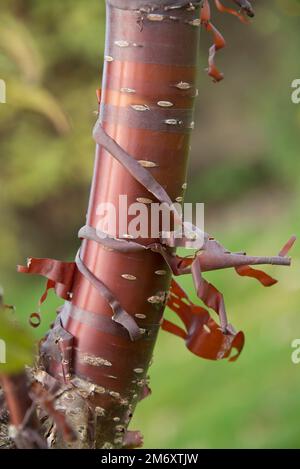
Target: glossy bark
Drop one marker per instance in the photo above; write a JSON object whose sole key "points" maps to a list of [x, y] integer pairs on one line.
{"points": [[148, 63]]}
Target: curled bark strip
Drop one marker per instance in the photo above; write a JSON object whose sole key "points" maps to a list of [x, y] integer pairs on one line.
{"points": [[35, 320], [246, 7], [262, 277], [143, 176], [59, 274], [202, 334], [219, 42], [288, 246], [210, 296], [247, 271], [206, 292], [59, 344], [120, 245], [190, 240], [176, 264], [97, 321], [213, 257], [239, 15], [60, 277], [120, 315]]}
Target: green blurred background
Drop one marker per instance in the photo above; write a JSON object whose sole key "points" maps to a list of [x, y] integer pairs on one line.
{"points": [[245, 166]]}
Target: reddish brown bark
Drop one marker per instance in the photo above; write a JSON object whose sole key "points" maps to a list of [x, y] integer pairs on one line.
{"points": [[134, 68]]}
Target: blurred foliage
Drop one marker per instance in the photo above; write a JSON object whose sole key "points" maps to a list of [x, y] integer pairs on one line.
{"points": [[50, 59], [245, 166], [16, 344]]}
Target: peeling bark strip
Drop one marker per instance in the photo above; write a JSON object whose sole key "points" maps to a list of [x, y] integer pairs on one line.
{"points": [[95, 359]]}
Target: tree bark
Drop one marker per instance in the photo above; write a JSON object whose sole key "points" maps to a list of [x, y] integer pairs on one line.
{"points": [[149, 78]]}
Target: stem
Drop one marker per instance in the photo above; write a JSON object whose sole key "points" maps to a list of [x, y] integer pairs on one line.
{"points": [[23, 419], [16, 396]]}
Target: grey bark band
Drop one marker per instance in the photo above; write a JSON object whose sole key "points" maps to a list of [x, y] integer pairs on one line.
{"points": [[99, 321], [152, 119]]}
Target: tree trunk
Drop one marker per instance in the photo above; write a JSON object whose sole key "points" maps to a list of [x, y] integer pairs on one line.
{"points": [[149, 79]]}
